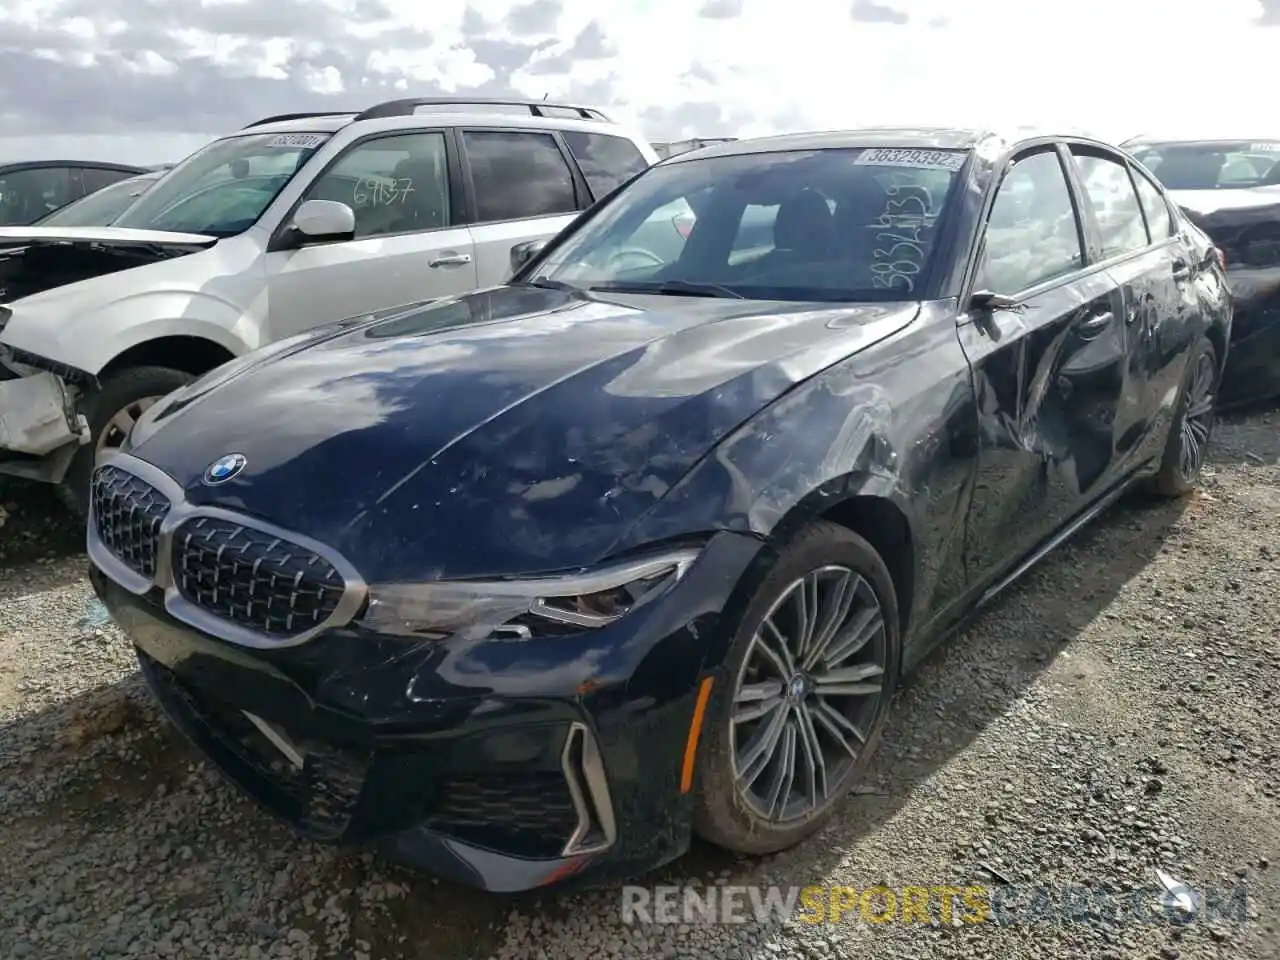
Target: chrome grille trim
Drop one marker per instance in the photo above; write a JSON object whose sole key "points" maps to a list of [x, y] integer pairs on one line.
{"points": [[180, 511]]}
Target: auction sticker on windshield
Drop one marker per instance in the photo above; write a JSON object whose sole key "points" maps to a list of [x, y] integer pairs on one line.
{"points": [[921, 159], [303, 140]]}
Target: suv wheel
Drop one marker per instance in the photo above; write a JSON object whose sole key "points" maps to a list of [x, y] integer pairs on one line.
{"points": [[111, 413]]}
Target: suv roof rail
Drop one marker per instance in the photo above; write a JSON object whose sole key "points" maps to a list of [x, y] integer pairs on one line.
{"points": [[281, 117], [536, 108]]}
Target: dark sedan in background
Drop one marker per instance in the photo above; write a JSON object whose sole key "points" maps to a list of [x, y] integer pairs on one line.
{"points": [[1230, 189], [535, 582], [99, 209], [32, 189]]}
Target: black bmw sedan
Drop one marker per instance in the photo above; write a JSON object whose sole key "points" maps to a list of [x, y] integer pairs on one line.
{"points": [[538, 582]]}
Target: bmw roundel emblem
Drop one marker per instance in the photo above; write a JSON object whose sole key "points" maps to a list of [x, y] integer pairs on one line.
{"points": [[224, 469]]}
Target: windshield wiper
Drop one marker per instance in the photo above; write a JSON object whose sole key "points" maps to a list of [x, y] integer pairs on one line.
{"points": [[671, 288]]}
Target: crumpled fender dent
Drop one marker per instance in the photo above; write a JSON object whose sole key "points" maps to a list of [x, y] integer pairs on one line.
{"points": [[843, 440]]}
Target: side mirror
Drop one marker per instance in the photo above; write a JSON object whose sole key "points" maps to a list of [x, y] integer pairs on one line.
{"points": [[324, 220], [522, 253], [987, 301]]}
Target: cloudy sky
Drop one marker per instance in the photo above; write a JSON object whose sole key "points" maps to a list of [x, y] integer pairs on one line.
{"points": [[149, 80]]}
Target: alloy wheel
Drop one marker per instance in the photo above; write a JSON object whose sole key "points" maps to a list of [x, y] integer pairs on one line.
{"points": [[117, 428], [807, 693], [1197, 422]]}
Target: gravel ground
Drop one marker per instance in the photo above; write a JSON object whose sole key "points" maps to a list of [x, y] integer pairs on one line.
{"points": [[1111, 716]]}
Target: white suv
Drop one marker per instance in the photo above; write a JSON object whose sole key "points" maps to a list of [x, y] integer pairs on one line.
{"points": [[291, 223]]}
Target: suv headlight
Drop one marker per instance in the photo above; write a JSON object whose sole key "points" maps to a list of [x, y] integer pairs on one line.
{"points": [[523, 609]]}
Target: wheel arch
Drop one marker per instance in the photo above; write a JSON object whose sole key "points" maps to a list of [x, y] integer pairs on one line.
{"points": [[869, 507], [191, 354]]}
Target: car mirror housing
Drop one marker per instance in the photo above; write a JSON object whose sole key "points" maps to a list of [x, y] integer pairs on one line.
{"points": [[321, 220]]}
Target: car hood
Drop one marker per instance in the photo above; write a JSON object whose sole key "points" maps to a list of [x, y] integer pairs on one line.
{"points": [[502, 432], [1208, 202], [1245, 225], [37, 260]]}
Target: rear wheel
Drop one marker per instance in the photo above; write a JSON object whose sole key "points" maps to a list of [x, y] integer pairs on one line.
{"points": [[1192, 428], [806, 694], [111, 413]]}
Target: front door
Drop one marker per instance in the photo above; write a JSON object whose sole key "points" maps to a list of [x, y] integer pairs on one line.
{"points": [[406, 246], [1048, 375]]}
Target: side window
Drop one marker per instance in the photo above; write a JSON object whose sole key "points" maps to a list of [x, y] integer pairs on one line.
{"points": [[394, 184], [1159, 222], [1115, 204], [606, 161], [518, 175], [28, 195], [95, 178], [1032, 235]]}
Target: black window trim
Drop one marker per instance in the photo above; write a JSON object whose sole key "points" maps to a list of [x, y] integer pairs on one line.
{"points": [[581, 194], [1088, 260], [458, 213], [1135, 171]]}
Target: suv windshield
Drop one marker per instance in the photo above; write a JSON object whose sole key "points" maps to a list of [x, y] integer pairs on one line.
{"points": [[1213, 165], [820, 225], [223, 188]]}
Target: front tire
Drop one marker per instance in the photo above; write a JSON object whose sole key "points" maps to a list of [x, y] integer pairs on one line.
{"points": [[805, 695], [111, 413], [1192, 427]]}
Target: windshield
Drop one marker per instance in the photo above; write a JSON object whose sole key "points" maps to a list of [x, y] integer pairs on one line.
{"points": [[101, 207], [820, 225], [223, 188], [1213, 165]]}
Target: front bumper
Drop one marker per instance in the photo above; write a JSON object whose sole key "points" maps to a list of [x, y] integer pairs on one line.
{"points": [[40, 426], [500, 764]]}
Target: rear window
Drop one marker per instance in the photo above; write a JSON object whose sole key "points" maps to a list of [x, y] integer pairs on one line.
{"points": [[1213, 165], [822, 225]]}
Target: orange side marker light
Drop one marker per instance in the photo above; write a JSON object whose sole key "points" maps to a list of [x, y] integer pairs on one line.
{"points": [[695, 730]]}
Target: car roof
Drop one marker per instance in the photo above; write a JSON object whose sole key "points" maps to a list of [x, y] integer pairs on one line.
{"points": [[332, 124], [911, 138], [100, 164]]}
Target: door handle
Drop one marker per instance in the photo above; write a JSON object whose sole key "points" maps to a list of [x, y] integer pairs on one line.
{"points": [[450, 260], [1181, 270], [1097, 323]]}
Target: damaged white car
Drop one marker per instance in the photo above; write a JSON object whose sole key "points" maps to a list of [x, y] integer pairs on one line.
{"points": [[289, 224]]}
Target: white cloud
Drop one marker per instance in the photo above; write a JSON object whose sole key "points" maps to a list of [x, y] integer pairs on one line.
{"points": [[1112, 67]]}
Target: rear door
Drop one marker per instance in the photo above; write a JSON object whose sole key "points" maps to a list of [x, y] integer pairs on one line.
{"points": [[409, 243], [1049, 375], [1136, 242], [522, 187]]}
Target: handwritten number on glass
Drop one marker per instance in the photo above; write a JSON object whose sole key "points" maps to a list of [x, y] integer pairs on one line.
{"points": [[899, 254], [379, 192]]}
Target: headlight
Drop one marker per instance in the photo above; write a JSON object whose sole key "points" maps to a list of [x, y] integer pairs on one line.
{"points": [[522, 609]]}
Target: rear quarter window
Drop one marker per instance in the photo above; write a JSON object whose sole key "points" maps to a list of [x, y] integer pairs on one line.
{"points": [[606, 161]]}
